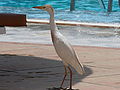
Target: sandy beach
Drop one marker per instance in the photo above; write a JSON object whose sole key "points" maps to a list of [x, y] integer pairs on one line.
{"points": [[27, 66]]}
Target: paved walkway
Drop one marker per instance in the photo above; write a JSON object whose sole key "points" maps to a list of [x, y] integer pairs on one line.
{"points": [[37, 67]]}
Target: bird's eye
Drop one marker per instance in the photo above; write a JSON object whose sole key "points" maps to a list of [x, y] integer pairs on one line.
{"points": [[44, 7]]}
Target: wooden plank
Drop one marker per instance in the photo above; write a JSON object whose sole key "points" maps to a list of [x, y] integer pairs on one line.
{"points": [[10, 19]]}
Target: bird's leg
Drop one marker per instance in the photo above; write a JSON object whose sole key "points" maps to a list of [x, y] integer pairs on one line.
{"points": [[70, 78], [64, 77]]}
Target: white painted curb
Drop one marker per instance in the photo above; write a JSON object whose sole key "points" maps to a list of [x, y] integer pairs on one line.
{"points": [[72, 23]]}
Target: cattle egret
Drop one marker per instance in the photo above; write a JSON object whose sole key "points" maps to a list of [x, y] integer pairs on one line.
{"points": [[63, 47]]}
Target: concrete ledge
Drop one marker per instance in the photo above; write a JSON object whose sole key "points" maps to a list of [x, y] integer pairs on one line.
{"points": [[2, 30], [72, 23]]}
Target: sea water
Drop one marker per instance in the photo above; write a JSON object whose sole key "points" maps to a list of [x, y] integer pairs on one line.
{"points": [[86, 11]]}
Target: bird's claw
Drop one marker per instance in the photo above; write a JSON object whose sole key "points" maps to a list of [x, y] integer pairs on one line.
{"points": [[60, 88]]}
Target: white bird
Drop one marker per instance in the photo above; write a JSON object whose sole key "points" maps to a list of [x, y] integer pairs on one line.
{"points": [[63, 47]]}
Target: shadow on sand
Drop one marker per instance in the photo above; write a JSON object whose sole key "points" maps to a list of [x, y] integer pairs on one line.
{"points": [[33, 73]]}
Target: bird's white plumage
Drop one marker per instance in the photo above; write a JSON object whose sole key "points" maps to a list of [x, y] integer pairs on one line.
{"points": [[66, 52], [62, 46]]}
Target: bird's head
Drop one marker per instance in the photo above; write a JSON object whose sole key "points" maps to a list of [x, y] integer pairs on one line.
{"points": [[47, 8]]}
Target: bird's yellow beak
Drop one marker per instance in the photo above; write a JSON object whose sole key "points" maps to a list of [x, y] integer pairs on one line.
{"points": [[38, 7]]}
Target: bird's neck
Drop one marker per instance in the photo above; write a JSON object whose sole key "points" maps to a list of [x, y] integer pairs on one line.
{"points": [[53, 26]]}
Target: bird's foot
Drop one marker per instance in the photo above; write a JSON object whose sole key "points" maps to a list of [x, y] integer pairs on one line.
{"points": [[71, 89], [55, 88], [60, 88]]}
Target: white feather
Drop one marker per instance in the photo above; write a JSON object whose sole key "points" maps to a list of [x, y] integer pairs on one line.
{"points": [[66, 52]]}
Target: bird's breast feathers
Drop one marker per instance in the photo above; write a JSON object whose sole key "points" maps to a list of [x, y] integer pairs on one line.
{"points": [[63, 47], [67, 53]]}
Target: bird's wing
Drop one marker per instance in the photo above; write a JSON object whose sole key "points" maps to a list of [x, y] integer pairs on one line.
{"points": [[67, 53]]}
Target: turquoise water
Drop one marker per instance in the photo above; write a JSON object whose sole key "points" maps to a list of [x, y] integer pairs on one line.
{"points": [[59, 4], [86, 10]]}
